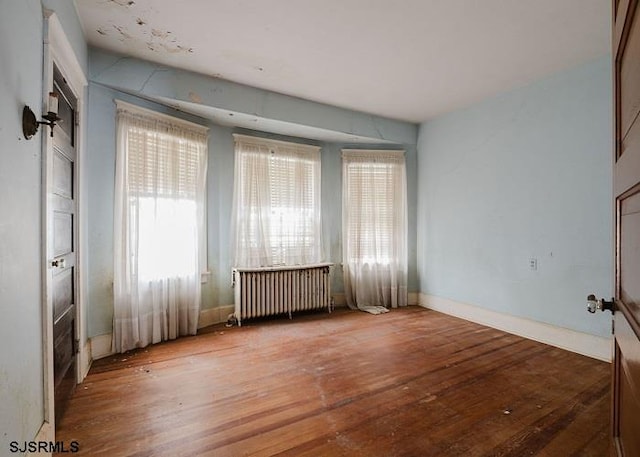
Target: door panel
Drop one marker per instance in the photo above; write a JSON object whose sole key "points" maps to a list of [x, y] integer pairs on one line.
{"points": [[629, 76], [62, 292], [62, 175], [63, 343], [624, 180], [62, 233], [626, 367], [628, 370], [630, 254]]}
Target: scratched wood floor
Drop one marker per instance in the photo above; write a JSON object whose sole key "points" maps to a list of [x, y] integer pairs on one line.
{"points": [[411, 382]]}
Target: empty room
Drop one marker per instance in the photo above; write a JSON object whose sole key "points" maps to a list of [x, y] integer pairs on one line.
{"points": [[322, 228]]}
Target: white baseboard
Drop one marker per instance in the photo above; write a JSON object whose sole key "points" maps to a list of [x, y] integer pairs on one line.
{"points": [[101, 346], [216, 315], [85, 359], [45, 433], [208, 317], [339, 299], [593, 346]]}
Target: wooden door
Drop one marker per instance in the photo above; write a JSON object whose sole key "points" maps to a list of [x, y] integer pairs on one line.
{"points": [[626, 379], [61, 224]]}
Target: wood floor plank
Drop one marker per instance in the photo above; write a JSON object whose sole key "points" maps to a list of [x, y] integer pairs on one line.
{"points": [[406, 383]]}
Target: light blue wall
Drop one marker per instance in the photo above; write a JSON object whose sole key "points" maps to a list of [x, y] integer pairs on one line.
{"points": [[217, 291], [21, 356], [100, 178], [67, 13], [524, 174], [21, 373]]}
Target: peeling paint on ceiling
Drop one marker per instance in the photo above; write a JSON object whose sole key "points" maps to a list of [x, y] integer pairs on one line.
{"points": [[128, 3], [409, 60], [130, 24]]}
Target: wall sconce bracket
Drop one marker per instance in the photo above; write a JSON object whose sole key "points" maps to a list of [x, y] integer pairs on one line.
{"points": [[30, 123]]}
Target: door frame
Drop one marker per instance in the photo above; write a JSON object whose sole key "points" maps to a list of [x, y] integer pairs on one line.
{"points": [[57, 49]]}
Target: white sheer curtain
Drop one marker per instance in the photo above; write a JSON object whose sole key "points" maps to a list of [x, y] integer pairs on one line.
{"points": [[159, 227], [374, 218], [276, 203]]}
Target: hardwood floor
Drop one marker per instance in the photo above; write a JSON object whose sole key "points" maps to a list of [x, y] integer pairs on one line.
{"points": [[411, 382]]}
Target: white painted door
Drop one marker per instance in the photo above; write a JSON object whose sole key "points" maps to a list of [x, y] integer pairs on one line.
{"points": [[61, 232]]}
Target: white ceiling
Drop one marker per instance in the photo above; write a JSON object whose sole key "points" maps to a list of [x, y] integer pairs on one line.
{"points": [[404, 59]]}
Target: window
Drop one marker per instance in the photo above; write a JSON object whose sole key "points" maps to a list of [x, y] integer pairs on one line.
{"points": [[374, 218], [159, 226], [370, 189], [276, 203], [166, 167]]}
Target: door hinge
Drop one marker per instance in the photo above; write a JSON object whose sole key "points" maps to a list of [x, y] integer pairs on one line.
{"points": [[77, 344]]}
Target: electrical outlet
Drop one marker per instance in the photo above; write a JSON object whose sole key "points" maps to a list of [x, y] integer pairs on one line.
{"points": [[533, 263]]}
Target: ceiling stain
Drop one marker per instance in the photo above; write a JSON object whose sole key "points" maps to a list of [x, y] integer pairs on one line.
{"points": [[123, 32], [160, 33], [154, 39], [194, 97], [175, 49], [127, 3]]}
